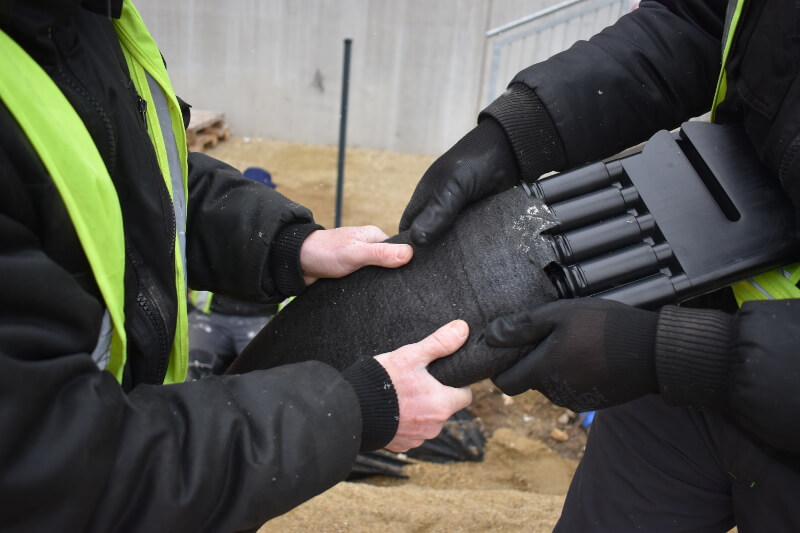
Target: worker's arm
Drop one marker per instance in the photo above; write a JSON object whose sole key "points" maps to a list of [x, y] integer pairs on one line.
{"points": [[77, 450], [653, 69], [234, 227], [221, 454], [591, 353], [246, 240]]}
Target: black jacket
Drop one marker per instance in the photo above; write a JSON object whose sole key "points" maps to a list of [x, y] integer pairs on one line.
{"points": [[654, 69], [79, 452]]}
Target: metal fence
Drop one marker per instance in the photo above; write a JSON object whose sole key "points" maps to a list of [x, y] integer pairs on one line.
{"points": [[528, 40]]}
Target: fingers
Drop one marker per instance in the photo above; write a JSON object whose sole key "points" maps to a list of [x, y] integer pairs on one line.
{"points": [[383, 254], [439, 214], [444, 341], [526, 327], [425, 404], [412, 433], [338, 252], [368, 234], [436, 174], [363, 245], [461, 398], [412, 210], [523, 376]]}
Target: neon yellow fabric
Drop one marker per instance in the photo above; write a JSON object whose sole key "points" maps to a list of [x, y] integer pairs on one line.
{"points": [[722, 81], [284, 303], [194, 297], [67, 151], [143, 56], [80, 175], [775, 285]]}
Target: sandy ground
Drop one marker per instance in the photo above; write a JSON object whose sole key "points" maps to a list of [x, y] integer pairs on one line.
{"points": [[533, 446]]}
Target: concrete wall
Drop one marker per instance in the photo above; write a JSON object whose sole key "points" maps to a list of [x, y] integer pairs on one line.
{"points": [[274, 67]]}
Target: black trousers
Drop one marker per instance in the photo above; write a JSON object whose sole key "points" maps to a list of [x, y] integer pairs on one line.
{"points": [[651, 467]]}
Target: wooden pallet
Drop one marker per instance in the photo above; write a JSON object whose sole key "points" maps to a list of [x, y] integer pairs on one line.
{"points": [[206, 129]]}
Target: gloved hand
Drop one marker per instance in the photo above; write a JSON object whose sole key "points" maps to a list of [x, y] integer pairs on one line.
{"points": [[583, 353], [480, 164]]}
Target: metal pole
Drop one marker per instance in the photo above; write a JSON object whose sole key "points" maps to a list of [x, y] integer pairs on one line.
{"points": [[342, 132]]}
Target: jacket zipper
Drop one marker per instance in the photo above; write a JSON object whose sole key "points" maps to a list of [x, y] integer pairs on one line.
{"points": [[161, 334], [155, 317], [109, 129], [164, 348], [142, 105]]}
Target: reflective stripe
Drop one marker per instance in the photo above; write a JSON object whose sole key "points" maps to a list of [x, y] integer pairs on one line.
{"points": [[792, 273], [102, 350], [70, 156], [778, 284], [202, 300], [173, 162], [284, 303], [165, 127], [775, 285], [759, 288]]}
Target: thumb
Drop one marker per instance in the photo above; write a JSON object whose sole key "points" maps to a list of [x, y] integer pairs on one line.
{"points": [[526, 327], [444, 341], [370, 249], [439, 214], [524, 375], [383, 254]]}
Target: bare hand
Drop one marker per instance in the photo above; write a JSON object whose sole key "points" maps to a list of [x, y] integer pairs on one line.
{"points": [[425, 404], [335, 253]]}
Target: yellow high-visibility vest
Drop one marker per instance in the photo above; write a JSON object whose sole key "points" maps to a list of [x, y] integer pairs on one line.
{"points": [[777, 284], [85, 186]]}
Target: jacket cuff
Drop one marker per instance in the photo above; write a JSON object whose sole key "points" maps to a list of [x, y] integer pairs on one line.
{"points": [[380, 412], [284, 258], [693, 349], [530, 130]]}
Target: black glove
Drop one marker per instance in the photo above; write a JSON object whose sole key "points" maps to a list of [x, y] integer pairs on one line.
{"points": [[480, 164], [583, 354]]}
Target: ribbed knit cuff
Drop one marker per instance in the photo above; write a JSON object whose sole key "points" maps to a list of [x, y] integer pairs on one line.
{"points": [[284, 258], [630, 345], [380, 412], [693, 351], [530, 129]]}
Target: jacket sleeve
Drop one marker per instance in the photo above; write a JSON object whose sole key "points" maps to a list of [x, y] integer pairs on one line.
{"points": [[221, 454], [243, 238], [745, 365], [77, 452], [653, 69]]}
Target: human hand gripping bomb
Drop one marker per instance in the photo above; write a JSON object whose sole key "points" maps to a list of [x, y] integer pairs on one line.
{"points": [[712, 449], [583, 354], [480, 164], [423, 404], [94, 344]]}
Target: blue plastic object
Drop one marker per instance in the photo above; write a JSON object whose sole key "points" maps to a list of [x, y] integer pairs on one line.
{"points": [[260, 175]]}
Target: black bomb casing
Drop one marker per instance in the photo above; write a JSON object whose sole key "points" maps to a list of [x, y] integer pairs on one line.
{"points": [[693, 212], [489, 264]]}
